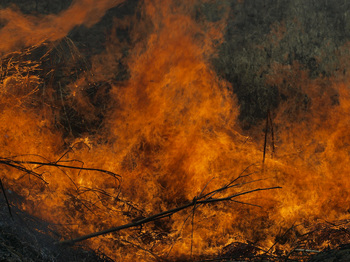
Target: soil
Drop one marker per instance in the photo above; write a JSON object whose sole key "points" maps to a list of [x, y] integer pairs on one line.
{"points": [[26, 238], [341, 254]]}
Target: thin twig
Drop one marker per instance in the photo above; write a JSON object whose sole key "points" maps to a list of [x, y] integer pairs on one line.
{"points": [[266, 132], [54, 164], [277, 239], [272, 133], [192, 225], [23, 169]]}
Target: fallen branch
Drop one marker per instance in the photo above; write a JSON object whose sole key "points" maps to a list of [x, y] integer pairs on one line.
{"points": [[194, 202]]}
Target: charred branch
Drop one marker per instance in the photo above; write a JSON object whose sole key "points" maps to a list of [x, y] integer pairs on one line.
{"points": [[18, 164], [205, 199]]}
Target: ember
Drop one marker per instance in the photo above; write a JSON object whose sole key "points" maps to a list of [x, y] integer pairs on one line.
{"points": [[178, 130]]}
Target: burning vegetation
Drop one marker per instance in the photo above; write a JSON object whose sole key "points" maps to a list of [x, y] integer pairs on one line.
{"points": [[163, 130]]}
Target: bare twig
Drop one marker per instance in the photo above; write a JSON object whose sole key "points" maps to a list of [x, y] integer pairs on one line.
{"points": [[272, 133], [19, 164], [277, 239], [266, 132], [11, 162], [23, 169], [269, 124]]}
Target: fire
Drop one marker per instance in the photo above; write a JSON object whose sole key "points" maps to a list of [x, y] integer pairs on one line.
{"points": [[170, 133], [24, 30]]}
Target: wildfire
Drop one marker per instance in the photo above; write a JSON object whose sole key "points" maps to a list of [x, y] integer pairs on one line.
{"points": [[169, 135]]}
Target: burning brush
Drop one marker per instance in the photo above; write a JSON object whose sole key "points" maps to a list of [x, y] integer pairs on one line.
{"points": [[141, 150]]}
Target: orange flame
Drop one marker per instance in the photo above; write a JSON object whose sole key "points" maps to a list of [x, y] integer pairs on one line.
{"points": [[22, 30]]}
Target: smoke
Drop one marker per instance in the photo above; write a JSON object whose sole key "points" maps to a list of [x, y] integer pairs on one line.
{"points": [[21, 30]]}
